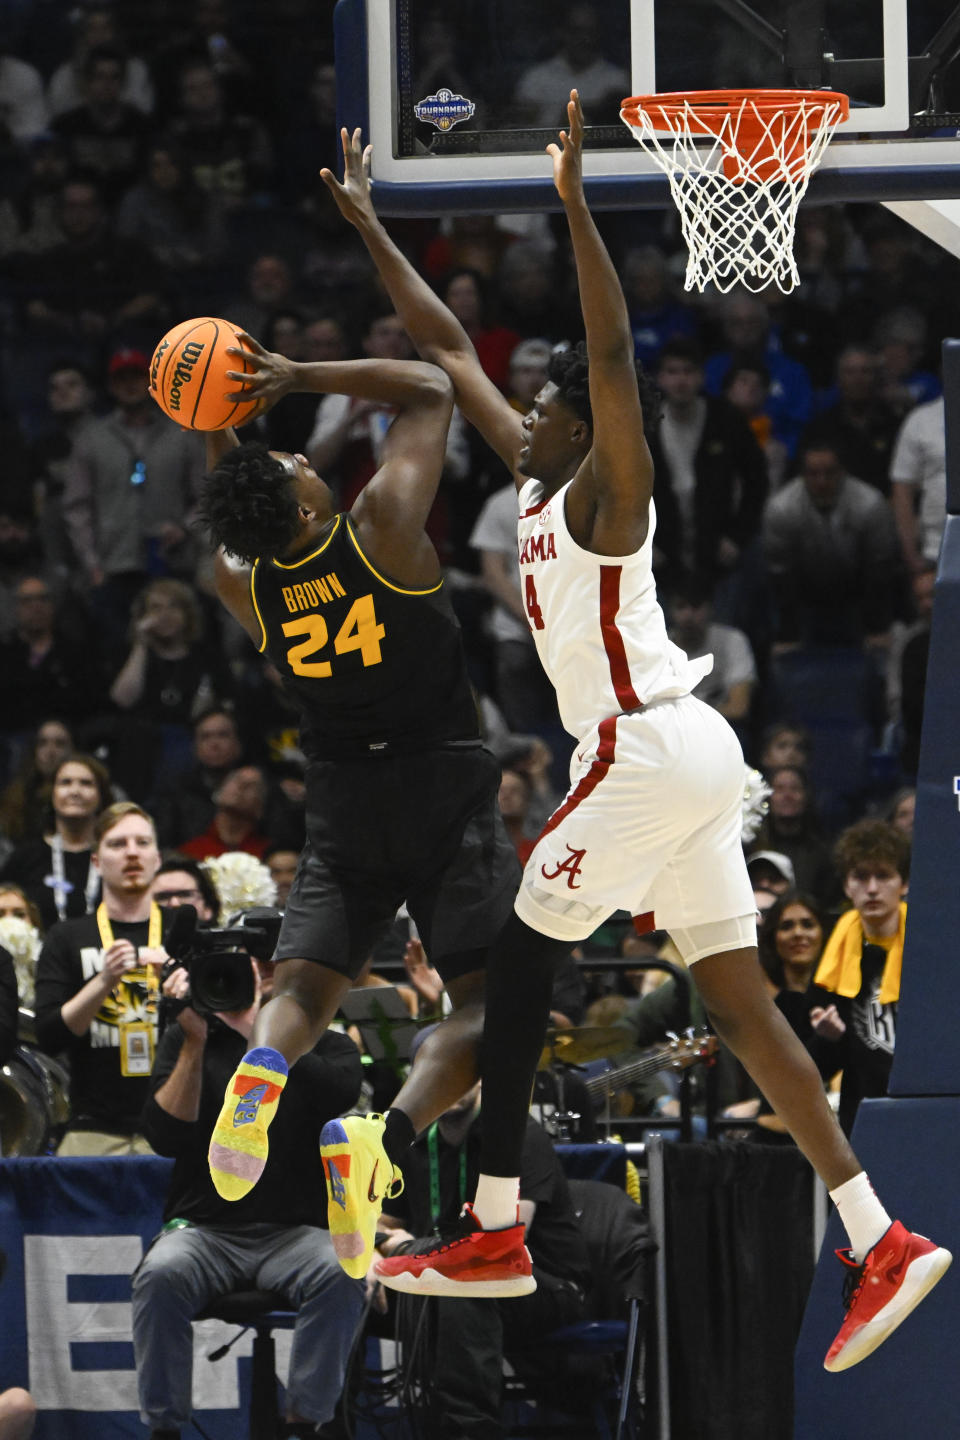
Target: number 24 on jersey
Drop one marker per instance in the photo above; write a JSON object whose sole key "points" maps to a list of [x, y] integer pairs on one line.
{"points": [[360, 631]]}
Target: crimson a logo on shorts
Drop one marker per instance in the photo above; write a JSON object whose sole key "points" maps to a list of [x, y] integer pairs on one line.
{"points": [[569, 867]]}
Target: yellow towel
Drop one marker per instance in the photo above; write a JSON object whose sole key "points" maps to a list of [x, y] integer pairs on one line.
{"points": [[839, 968]]}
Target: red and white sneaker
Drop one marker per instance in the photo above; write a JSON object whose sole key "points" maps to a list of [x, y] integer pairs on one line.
{"points": [[895, 1276], [481, 1264]]}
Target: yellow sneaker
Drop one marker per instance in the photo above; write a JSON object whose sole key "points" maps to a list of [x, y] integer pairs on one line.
{"points": [[359, 1175], [239, 1146]]}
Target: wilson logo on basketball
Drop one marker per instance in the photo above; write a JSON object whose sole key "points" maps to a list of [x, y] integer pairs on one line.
{"points": [[157, 357], [184, 371]]}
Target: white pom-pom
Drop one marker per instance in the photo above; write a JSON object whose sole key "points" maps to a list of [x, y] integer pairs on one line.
{"points": [[22, 940], [756, 795], [242, 881]]}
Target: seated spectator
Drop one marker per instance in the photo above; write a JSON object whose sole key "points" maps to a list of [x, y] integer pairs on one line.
{"points": [[95, 26], [918, 489], [656, 315], [464, 291], [730, 684], [30, 210], [532, 301], [901, 337], [514, 798], [282, 864], [289, 423], [70, 400], [49, 666], [748, 334], [58, 872], [186, 807], [273, 1239], [21, 553], [229, 153], [901, 811], [98, 989], [746, 386], [182, 881], [20, 936], [710, 479], [791, 941], [472, 1336], [171, 217], [105, 135], [171, 674], [523, 692], [93, 285], [790, 828], [25, 803], [784, 744], [831, 554], [239, 804], [527, 373], [857, 420], [861, 963], [269, 290], [578, 63], [771, 873], [130, 487], [532, 756]]}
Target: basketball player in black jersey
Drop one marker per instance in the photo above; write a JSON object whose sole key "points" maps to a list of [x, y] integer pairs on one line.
{"points": [[401, 794]]}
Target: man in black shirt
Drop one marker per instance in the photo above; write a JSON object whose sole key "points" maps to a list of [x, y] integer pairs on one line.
{"points": [[275, 1238], [440, 1173], [98, 987], [401, 796]]}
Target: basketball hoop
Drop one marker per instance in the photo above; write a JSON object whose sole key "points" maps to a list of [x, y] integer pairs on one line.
{"points": [[738, 163]]}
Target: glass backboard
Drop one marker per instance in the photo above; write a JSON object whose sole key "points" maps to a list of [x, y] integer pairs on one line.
{"points": [[460, 99]]}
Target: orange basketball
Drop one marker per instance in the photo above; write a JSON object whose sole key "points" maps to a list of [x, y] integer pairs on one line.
{"points": [[188, 375]]}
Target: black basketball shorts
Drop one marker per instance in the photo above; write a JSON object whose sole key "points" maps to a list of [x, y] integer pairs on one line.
{"points": [[382, 830]]}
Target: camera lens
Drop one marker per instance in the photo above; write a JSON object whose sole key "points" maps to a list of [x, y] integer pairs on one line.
{"points": [[222, 981]]}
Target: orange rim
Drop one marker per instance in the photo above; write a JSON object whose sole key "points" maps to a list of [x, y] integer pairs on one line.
{"points": [[718, 104]]}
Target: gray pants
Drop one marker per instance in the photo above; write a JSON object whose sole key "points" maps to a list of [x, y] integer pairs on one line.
{"points": [[186, 1269]]}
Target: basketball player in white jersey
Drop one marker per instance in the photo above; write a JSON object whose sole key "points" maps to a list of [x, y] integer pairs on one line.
{"points": [[651, 822]]}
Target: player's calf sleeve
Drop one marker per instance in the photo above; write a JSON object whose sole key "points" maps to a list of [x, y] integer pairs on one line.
{"points": [[520, 971]]}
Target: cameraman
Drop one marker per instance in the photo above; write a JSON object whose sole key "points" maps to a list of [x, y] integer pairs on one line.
{"points": [[273, 1239], [182, 881]]}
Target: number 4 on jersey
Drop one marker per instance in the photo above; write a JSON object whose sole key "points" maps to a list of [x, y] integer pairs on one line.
{"points": [[532, 603], [361, 631]]}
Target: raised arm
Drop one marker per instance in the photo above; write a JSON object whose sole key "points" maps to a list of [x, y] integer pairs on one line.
{"points": [[435, 331], [616, 479]]}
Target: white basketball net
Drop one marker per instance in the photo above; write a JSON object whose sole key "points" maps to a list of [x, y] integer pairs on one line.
{"points": [[738, 202]]}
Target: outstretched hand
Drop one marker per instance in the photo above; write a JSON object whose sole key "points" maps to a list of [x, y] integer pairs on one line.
{"points": [[567, 169], [270, 378], [353, 196]]}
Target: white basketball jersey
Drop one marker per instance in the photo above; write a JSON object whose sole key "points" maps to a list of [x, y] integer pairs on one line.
{"points": [[598, 628]]}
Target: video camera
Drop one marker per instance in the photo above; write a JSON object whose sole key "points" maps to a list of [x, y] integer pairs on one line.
{"points": [[217, 961]]}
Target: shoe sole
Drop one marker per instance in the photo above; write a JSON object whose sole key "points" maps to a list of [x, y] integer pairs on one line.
{"points": [[919, 1280], [432, 1282], [352, 1222]]}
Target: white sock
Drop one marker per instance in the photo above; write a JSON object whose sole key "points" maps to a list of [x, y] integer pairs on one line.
{"points": [[496, 1202], [864, 1218]]}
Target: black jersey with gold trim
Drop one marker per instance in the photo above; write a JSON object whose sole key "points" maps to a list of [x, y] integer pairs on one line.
{"points": [[373, 665]]}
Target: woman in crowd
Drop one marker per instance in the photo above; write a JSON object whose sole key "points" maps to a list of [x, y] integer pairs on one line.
{"points": [[25, 803], [54, 871], [790, 828]]}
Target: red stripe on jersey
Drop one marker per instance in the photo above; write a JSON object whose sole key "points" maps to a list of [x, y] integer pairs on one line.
{"points": [[605, 752], [534, 510], [613, 640]]}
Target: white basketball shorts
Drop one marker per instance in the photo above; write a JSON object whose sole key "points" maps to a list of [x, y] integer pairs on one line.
{"points": [[651, 823]]}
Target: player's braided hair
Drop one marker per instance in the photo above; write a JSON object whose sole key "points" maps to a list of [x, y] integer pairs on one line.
{"points": [[248, 504], [569, 371]]}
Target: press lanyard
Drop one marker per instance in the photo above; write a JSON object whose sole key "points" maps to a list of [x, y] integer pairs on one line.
{"points": [[433, 1153], [154, 929], [62, 887]]}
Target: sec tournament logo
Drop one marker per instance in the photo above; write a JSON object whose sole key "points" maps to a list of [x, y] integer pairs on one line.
{"points": [[444, 110]]}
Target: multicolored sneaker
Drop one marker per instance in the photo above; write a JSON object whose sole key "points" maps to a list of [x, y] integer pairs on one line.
{"points": [[239, 1146], [895, 1276], [359, 1175], [481, 1264]]}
